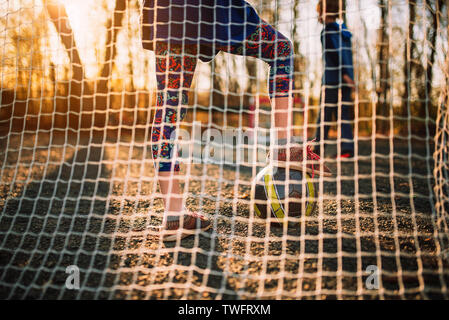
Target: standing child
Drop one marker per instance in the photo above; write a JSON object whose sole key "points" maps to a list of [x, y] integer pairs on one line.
{"points": [[182, 31], [338, 76]]}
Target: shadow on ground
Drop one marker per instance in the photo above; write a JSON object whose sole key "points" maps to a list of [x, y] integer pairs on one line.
{"points": [[91, 204]]}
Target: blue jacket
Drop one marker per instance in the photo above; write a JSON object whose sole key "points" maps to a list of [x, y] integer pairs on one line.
{"points": [[337, 53], [203, 22]]}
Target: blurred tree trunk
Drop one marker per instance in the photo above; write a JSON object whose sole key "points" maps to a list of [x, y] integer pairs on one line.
{"points": [[424, 70], [299, 68], [113, 26], [77, 85], [251, 69], [434, 11], [216, 89], [276, 14], [409, 49], [266, 11], [251, 90], [299, 60], [102, 92], [58, 16], [344, 14], [383, 89], [366, 109]]}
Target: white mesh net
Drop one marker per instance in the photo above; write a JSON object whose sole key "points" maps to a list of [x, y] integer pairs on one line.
{"points": [[78, 185], [441, 169]]}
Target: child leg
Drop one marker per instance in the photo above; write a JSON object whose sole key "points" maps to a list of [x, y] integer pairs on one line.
{"points": [[269, 45], [347, 146], [173, 70], [276, 50]]}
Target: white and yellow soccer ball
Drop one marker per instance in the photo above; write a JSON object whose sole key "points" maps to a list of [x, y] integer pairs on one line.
{"points": [[279, 196]]}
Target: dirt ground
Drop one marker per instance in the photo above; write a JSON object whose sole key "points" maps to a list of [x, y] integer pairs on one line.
{"points": [[90, 202]]}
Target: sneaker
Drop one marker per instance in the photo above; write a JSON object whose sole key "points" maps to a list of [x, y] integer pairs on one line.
{"points": [[296, 158], [192, 223], [345, 155]]}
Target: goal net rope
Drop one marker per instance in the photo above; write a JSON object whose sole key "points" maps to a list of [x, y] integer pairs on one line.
{"points": [[80, 203]]}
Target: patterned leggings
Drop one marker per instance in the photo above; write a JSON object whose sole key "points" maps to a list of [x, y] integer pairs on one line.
{"points": [[175, 68]]}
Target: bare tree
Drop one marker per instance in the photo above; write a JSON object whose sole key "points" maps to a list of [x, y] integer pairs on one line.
{"points": [[113, 27], [58, 16], [251, 64], [383, 87], [409, 49], [80, 91], [102, 91], [299, 60], [422, 66], [78, 85], [433, 9]]}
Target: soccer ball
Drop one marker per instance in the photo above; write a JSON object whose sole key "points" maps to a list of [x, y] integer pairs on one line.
{"points": [[277, 196]]}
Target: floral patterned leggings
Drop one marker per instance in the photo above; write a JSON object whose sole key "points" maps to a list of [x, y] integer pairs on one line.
{"points": [[175, 68]]}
